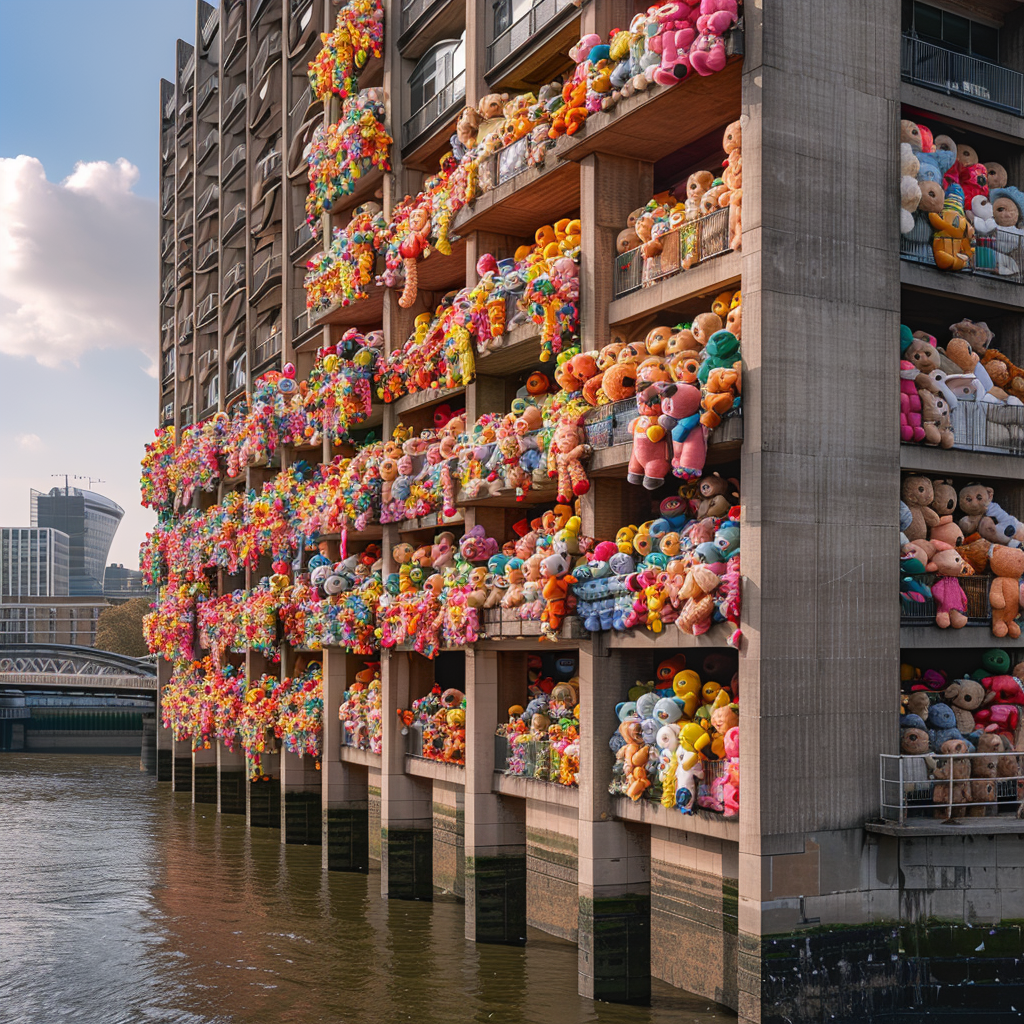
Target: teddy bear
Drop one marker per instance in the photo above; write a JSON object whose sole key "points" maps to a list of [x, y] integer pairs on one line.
{"points": [[952, 791], [935, 420], [1003, 372], [696, 185], [650, 459], [680, 406], [977, 334], [944, 502], [915, 749], [566, 453], [950, 599], [910, 191], [964, 696], [1007, 565], [918, 494], [717, 496]]}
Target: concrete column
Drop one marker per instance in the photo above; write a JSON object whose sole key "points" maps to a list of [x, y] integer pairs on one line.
{"points": [[181, 766], [495, 828], [230, 780], [147, 758], [164, 739], [820, 473], [406, 816], [204, 775], [614, 860], [344, 802], [300, 800]]}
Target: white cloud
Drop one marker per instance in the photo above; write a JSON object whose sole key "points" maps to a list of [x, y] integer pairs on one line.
{"points": [[30, 442], [77, 262]]}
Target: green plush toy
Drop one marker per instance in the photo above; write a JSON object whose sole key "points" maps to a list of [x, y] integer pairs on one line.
{"points": [[721, 351]]}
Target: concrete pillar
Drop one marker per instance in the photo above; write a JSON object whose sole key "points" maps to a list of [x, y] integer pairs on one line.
{"points": [[820, 469], [263, 795], [147, 758], [406, 816], [164, 739], [230, 780], [344, 811], [204, 775], [614, 860], [181, 766], [495, 828]]}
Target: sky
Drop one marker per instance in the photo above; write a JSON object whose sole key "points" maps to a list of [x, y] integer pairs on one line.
{"points": [[79, 105]]}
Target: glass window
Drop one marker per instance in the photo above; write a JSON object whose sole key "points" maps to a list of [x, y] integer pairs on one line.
{"points": [[436, 68], [985, 42]]}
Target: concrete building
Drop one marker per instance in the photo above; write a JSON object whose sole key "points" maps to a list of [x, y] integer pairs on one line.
{"points": [[33, 562], [809, 906], [49, 620], [121, 584], [90, 521]]}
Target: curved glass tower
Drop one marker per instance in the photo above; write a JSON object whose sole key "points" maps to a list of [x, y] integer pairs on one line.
{"points": [[90, 520]]}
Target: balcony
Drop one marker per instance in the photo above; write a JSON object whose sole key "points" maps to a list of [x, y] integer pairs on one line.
{"points": [[208, 89], [261, 7], [438, 109], [267, 272], [169, 109], [700, 239], [999, 255], [268, 340], [302, 324], [167, 196], [184, 275], [267, 55], [207, 361], [183, 225], [497, 168], [207, 255], [207, 309], [267, 166], [167, 285], [167, 367], [233, 164], [912, 799], [305, 235], [233, 221], [189, 69], [526, 29], [167, 333], [186, 415], [206, 147], [207, 202], [210, 26], [234, 105], [956, 74], [234, 279], [167, 413], [187, 329], [237, 373], [303, 26]]}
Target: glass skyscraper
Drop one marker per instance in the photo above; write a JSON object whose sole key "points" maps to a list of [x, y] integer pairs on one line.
{"points": [[90, 521], [33, 562]]}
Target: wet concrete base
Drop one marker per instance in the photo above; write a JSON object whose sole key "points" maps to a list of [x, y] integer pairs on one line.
{"points": [[300, 818], [345, 836], [496, 899], [263, 803], [407, 863], [204, 784], [182, 777], [615, 948], [163, 766], [231, 785]]}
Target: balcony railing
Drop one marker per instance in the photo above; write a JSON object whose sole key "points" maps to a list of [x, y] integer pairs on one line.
{"points": [[207, 359], [234, 105], [207, 202], [986, 427], [268, 342], [167, 284], [168, 366], [521, 32], [504, 164], [186, 415], [701, 239], [187, 329], [956, 74], [234, 162], [260, 7], [234, 220], [209, 27], [306, 233], [169, 109], [236, 373], [267, 55], [234, 278], [302, 323], [207, 254], [189, 69], [438, 108], [206, 147], [267, 166], [167, 413], [917, 786], [413, 10], [168, 196], [207, 309], [269, 270], [208, 88], [922, 613], [998, 255]]}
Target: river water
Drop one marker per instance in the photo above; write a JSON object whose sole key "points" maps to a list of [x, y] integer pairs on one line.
{"points": [[122, 903]]}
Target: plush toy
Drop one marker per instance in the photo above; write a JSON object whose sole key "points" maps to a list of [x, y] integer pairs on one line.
{"points": [[918, 495], [910, 191], [952, 246], [950, 599], [566, 453], [650, 459], [952, 792], [936, 420], [964, 696], [1007, 565], [679, 415]]}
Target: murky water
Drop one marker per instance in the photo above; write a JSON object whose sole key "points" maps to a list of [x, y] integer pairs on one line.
{"points": [[121, 903]]}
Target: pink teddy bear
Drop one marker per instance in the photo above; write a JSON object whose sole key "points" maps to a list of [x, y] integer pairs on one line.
{"points": [[671, 33], [707, 54]]}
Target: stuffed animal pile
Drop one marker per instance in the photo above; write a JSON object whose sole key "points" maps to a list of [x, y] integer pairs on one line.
{"points": [[357, 36], [440, 720], [360, 711], [677, 741], [956, 211], [948, 534]]}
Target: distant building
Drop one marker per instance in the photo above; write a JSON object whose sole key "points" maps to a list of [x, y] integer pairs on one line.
{"points": [[90, 522], [33, 562], [49, 620], [121, 584]]}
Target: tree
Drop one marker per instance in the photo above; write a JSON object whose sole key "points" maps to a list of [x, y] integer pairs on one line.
{"points": [[119, 628]]}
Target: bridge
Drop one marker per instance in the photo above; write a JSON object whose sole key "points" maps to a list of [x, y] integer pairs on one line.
{"points": [[71, 669]]}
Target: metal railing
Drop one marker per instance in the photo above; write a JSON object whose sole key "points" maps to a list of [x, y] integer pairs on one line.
{"points": [[234, 279], [976, 589], [235, 102], [207, 146], [207, 253], [206, 359], [186, 415], [207, 202], [207, 309], [187, 327], [306, 233], [302, 323], [169, 109], [267, 347], [504, 164], [168, 195], [438, 108], [700, 239], [269, 269], [918, 786], [168, 365], [300, 106], [167, 283], [234, 162], [413, 10], [270, 47], [259, 9], [999, 255], [234, 220], [237, 373], [524, 30], [190, 66], [167, 413], [957, 74], [209, 27], [267, 166], [986, 427], [209, 87]]}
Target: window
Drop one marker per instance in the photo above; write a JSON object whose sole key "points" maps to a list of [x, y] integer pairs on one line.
{"points": [[439, 66], [951, 31], [508, 11]]}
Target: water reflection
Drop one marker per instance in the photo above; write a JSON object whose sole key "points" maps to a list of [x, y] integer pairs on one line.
{"points": [[124, 903]]}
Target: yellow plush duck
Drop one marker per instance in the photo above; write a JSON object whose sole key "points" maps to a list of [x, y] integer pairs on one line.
{"points": [[951, 243]]}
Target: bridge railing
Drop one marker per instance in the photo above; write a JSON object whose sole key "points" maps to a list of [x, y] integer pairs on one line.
{"points": [[35, 681]]}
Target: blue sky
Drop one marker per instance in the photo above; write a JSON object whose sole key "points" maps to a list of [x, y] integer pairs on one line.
{"points": [[79, 84]]}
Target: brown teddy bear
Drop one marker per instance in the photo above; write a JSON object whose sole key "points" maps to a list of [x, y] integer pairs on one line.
{"points": [[918, 704], [964, 696], [984, 771], [918, 494], [935, 419], [1004, 373], [974, 502], [717, 496], [952, 791], [1007, 564], [945, 500], [914, 745], [703, 326], [977, 335]]}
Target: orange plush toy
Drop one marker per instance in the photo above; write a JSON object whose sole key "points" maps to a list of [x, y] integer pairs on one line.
{"points": [[1007, 564]]}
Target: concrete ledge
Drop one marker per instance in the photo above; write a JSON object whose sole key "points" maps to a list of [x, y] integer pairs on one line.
{"points": [[969, 636], [702, 823], [921, 458], [990, 291], [957, 827], [353, 755], [439, 770], [536, 789], [963, 114]]}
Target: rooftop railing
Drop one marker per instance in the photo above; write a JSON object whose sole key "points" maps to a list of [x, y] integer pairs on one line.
{"points": [[695, 241], [913, 787], [524, 30], [438, 108], [957, 74], [999, 254]]}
